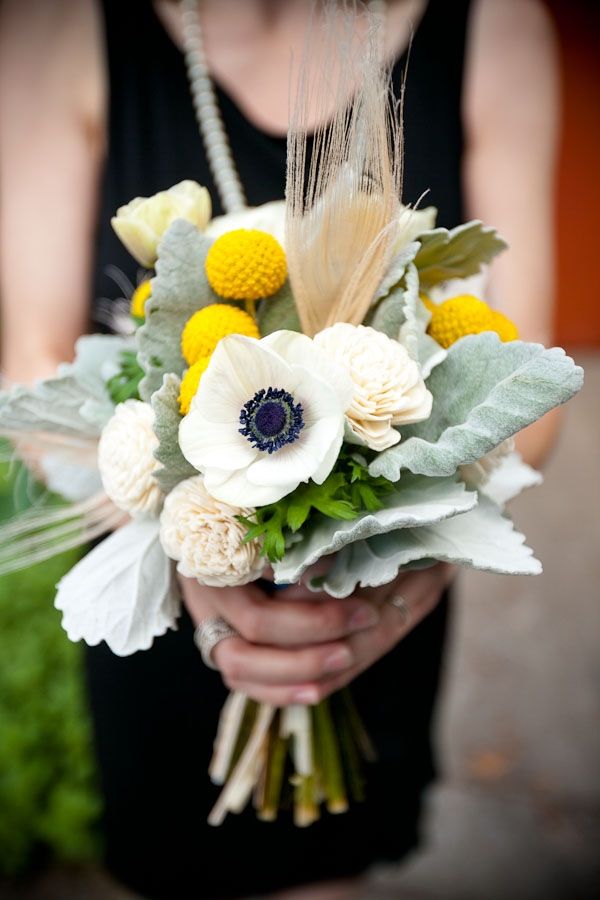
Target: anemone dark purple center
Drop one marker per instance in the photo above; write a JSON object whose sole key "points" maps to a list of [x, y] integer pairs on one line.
{"points": [[271, 419]]}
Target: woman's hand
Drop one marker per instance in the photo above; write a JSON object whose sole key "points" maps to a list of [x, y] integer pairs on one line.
{"points": [[299, 647]]}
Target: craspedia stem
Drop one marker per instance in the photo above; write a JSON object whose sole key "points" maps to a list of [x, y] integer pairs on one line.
{"points": [[274, 775], [328, 755]]}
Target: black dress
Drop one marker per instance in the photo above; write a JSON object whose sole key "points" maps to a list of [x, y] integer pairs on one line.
{"points": [[155, 712]]}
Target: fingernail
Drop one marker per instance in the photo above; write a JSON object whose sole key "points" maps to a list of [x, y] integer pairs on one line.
{"points": [[364, 617], [338, 660], [308, 696]]}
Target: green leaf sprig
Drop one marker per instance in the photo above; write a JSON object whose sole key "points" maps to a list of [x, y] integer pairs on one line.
{"points": [[125, 384], [345, 494]]}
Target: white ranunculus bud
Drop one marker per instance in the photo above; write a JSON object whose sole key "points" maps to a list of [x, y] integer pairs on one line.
{"points": [[206, 539], [141, 223], [126, 459], [388, 387], [269, 217]]}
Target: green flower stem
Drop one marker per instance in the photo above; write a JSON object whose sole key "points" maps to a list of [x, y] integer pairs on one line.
{"points": [[277, 753], [306, 808], [328, 759], [361, 736], [246, 727], [349, 750]]}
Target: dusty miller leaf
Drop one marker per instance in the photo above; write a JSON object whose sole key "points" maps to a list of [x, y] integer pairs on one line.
{"points": [[121, 592], [179, 289], [481, 539], [75, 402], [396, 269], [509, 479], [457, 253], [174, 465], [484, 392], [405, 318], [388, 315], [278, 312], [419, 501]]}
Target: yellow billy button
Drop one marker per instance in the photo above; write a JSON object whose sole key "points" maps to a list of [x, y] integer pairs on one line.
{"points": [[204, 330], [246, 264], [465, 314], [190, 382], [138, 299]]}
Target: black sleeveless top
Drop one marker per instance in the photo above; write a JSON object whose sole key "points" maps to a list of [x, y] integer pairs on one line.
{"points": [[155, 713]]}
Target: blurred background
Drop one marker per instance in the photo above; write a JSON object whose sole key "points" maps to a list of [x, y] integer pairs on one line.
{"points": [[516, 811]]}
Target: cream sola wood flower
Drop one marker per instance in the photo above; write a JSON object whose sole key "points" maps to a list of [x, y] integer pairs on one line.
{"points": [[268, 414], [203, 535], [141, 223], [126, 459], [388, 389]]}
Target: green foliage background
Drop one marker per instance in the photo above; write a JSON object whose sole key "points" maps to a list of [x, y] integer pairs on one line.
{"points": [[49, 804]]}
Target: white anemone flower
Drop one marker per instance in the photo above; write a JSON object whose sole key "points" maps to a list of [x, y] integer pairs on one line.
{"points": [[268, 415]]}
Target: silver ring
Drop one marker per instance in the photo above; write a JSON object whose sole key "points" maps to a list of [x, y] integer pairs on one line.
{"points": [[399, 603], [208, 634]]}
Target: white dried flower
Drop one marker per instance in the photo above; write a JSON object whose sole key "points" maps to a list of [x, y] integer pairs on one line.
{"points": [[141, 223], [126, 459], [206, 539], [388, 387]]}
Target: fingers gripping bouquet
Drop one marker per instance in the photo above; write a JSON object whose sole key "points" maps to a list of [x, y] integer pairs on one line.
{"points": [[293, 392]]}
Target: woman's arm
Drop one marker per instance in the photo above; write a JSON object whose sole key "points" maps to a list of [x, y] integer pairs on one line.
{"points": [[511, 113], [52, 99]]}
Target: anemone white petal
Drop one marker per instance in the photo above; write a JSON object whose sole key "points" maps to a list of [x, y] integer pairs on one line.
{"points": [[300, 350], [330, 458], [318, 398], [295, 462], [316, 450], [205, 443], [239, 367], [235, 489]]}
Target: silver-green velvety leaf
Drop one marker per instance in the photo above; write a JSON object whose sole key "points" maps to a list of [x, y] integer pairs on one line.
{"points": [[457, 253], [481, 539], [396, 269], [174, 465], [179, 289], [416, 315], [278, 312], [430, 354], [509, 479], [484, 392], [388, 315], [75, 402], [122, 592], [419, 501], [404, 317]]}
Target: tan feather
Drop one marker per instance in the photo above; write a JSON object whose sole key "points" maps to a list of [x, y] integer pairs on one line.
{"points": [[37, 535], [342, 205], [41, 532]]}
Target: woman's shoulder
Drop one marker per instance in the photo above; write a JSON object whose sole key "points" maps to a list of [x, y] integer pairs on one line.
{"points": [[52, 60]]}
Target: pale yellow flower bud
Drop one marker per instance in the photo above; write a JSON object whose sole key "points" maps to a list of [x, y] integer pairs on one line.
{"points": [[141, 223]]}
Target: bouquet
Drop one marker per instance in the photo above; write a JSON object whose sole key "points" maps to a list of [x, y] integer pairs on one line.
{"points": [[293, 387]]}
